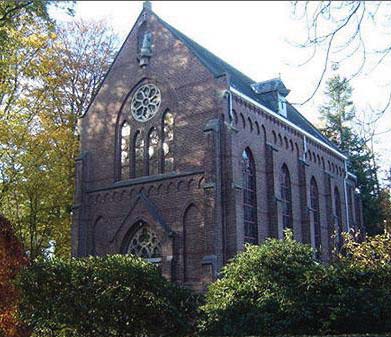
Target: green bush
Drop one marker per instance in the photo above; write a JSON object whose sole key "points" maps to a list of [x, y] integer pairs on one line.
{"points": [[279, 288], [109, 296], [259, 291], [350, 299]]}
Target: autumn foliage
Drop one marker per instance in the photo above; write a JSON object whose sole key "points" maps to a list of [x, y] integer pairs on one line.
{"points": [[12, 259]]}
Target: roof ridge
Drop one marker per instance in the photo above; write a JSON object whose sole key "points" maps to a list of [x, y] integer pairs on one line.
{"points": [[243, 83], [191, 44]]}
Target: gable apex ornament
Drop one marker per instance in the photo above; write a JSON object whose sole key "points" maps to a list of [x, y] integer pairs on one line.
{"points": [[147, 5], [145, 50]]}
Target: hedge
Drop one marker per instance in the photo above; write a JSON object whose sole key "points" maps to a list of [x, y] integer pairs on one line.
{"points": [[103, 296]]}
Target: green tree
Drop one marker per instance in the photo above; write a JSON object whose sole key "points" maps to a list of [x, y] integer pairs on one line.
{"points": [[39, 107], [338, 114]]}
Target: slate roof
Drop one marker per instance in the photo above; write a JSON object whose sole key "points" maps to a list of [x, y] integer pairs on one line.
{"points": [[243, 83]]}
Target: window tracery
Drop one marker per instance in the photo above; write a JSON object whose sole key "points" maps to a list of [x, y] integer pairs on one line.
{"points": [[145, 102], [145, 244]]}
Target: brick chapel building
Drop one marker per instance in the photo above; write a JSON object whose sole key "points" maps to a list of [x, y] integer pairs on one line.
{"points": [[184, 159]]}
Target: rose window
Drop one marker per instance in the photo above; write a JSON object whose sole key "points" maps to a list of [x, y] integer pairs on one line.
{"points": [[145, 102], [145, 244]]}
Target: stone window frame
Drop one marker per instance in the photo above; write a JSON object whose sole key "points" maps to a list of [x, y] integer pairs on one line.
{"points": [[169, 154], [124, 147], [286, 197], [139, 142], [148, 247], [338, 215], [153, 151], [138, 154], [315, 207], [249, 188]]}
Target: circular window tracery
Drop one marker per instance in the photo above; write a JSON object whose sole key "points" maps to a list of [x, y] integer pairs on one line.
{"points": [[145, 244], [145, 102]]}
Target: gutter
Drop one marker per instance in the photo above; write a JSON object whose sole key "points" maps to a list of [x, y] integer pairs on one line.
{"points": [[305, 133]]}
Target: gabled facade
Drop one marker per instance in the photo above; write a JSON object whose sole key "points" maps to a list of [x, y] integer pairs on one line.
{"points": [[184, 160]]}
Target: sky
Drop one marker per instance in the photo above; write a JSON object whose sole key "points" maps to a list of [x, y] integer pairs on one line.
{"points": [[259, 39]]}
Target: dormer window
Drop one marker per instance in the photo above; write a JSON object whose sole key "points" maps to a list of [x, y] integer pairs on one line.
{"points": [[282, 105], [272, 94]]}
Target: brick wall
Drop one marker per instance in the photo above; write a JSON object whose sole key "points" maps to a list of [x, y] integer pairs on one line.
{"points": [[197, 209]]}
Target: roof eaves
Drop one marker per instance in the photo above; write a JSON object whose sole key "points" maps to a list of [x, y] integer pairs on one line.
{"points": [[274, 114], [110, 67]]}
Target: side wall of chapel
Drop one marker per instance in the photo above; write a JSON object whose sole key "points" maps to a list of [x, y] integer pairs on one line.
{"points": [[274, 144]]}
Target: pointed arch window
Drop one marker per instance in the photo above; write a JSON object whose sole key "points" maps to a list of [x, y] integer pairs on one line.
{"points": [[168, 142], [350, 206], [125, 150], [145, 244], [153, 152], [138, 155], [286, 197], [314, 194], [338, 214], [249, 198]]}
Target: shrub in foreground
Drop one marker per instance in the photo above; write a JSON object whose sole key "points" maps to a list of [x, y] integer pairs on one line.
{"points": [[108, 296], [279, 288], [348, 299], [260, 291]]}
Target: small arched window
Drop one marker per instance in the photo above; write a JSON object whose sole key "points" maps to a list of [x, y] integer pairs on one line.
{"points": [[168, 142], [286, 197], [138, 155], [338, 213], [249, 198], [125, 150], [153, 152], [314, 194]]}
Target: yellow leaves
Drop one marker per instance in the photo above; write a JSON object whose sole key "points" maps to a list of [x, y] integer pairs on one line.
{"points": [[374, 251]]}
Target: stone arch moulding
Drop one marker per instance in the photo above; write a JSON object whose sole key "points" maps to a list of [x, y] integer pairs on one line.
{"points": [[194, 242], [165, 243], [134, 226], [151, 210], [95, 243]]}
